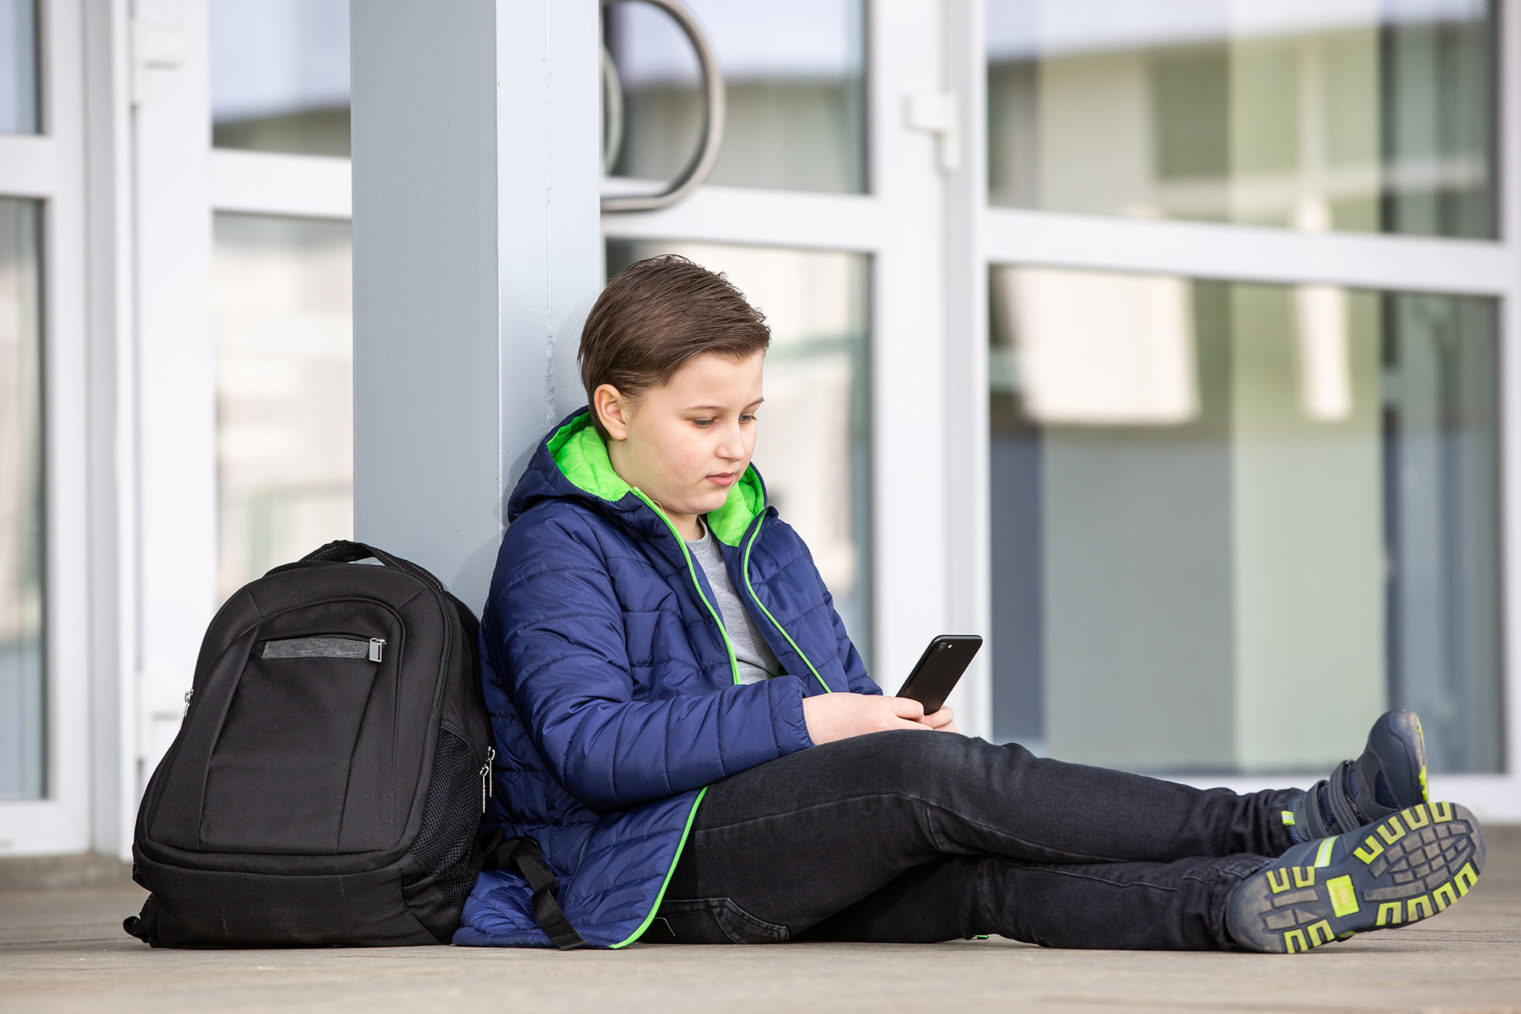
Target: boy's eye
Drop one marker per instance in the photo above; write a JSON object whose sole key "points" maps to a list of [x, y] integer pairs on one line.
{"points": [[702, 423], [748, 417]]}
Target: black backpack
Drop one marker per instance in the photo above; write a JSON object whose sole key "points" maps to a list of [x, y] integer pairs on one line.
{"points": [[328, 780]]}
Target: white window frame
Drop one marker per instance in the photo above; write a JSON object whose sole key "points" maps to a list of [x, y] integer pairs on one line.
{"points": [[49, 168], [984, 236]]}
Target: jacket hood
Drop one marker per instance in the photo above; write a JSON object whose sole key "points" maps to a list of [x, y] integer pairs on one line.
{"points": [[571, 463]]}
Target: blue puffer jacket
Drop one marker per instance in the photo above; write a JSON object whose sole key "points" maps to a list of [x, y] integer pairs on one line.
{"points": [[613, 689]]}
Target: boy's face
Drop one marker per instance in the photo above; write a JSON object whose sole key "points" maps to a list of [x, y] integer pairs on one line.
{"points": [[686, 444]]}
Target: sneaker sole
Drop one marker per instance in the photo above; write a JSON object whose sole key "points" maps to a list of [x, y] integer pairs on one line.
{"points": [[1405, 868]]}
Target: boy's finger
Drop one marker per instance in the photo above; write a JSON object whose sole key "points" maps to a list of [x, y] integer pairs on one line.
{"points": [[939, 719], [907, 707]]}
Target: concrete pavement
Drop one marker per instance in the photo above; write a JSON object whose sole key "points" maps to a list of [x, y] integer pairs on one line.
{"points": [[62, 949]]}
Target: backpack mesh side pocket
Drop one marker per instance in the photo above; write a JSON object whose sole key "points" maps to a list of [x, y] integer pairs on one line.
{"points": [[446, 846]]}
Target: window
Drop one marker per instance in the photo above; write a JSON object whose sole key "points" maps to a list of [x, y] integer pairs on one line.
{"points": [[282, 321], [1339, 115], [23, 674], [795, 98], [1214, 503]]}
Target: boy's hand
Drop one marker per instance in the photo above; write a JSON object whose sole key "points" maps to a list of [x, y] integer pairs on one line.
{"points": [[942, 720], [840, 716]]}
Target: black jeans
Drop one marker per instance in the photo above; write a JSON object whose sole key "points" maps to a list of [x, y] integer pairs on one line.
{"points": [[922, 836]]}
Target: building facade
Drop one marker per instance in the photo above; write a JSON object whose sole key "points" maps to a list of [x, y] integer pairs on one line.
{"points": [[1170, 347]]}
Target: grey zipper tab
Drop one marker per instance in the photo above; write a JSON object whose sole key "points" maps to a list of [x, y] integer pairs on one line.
{"points": [[325, 646]]}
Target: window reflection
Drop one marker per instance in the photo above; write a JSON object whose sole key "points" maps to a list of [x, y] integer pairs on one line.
{"points": [[813, 446], [280, 75], [1213, 501], [1337, 115], [283, 325], [23, 683], [796, 99], [18, 67]]}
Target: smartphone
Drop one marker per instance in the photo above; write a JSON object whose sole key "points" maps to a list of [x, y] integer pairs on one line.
{"points": [[939, 668]]}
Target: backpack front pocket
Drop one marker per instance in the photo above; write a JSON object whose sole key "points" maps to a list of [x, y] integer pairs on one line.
{"points": [[278, 778]]}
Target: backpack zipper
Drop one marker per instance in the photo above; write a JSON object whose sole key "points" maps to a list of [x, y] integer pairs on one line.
{"points": [[487, 789], [326, 646]]}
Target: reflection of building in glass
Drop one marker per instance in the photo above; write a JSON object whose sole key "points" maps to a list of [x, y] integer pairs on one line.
{"points": [[22, 695], [1333, 115], [285, 400], [795, 99], [1319, 517], [280, 75]]}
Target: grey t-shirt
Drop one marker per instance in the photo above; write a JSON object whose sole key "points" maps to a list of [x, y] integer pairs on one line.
{"points": [[754, 655]]}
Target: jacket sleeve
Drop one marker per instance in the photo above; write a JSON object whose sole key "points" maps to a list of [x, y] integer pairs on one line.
{"points": [[559, 630]]}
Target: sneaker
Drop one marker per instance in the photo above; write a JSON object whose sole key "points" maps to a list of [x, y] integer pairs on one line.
{"points": [[1394, 872], [1388, 777]]}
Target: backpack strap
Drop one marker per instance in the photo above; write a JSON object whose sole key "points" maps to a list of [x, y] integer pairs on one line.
{"points": [[344, 551], [501, 852]]}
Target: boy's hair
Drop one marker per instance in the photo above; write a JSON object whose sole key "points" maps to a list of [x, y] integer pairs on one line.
{"points": [[657, 314]]}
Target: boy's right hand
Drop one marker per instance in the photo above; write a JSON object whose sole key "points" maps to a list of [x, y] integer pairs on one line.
{"points": [[840, 715]]}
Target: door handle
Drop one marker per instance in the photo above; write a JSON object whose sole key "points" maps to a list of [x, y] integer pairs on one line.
{"points": [[701, 163]]}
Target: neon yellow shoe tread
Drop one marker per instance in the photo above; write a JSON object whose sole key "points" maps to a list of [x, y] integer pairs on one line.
{"points": [[1410, 866]]}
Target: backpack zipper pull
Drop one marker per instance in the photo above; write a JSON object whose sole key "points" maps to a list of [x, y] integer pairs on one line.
{"points": [[188, 694], [377, 646], [487, 789]]}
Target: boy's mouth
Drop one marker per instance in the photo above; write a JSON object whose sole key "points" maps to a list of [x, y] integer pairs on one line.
{"points": [[723, 478]]}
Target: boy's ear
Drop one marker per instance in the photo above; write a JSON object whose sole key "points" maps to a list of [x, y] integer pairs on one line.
{"points": [[612, 408]]}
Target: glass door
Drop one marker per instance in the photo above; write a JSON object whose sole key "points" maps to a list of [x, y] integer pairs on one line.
{"points": [[44, 662]]}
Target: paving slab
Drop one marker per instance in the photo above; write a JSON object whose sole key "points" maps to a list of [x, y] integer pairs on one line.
{"points": [[63, 949]]}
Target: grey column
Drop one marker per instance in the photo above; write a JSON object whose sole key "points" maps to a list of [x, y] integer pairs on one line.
{"points": [[477, 252]]}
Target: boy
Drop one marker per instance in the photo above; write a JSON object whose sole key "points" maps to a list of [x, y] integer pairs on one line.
{"points": [[684, 727]]}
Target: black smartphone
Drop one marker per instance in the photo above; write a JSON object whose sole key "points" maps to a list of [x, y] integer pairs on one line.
{"points": [[939, 668]]}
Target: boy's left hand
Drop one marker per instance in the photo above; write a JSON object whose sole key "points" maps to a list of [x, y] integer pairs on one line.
{"points": [[942, 720]]}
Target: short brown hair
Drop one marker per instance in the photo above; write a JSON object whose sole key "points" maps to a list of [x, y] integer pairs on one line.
{"points": [[657, 314]]}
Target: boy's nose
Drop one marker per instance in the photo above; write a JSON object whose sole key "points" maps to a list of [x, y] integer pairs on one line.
{"points": [[732, 447]]}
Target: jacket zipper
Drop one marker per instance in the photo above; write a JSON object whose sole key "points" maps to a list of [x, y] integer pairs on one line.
{"points": [[745, 569], [692, 573]]}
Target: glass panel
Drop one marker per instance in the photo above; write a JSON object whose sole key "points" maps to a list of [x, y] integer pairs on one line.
{"points": [[814, 443], [280, 75], [1234, 522], [18, 67], [23, 682], [282, 319], [795, 72], [1348, 115]]}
